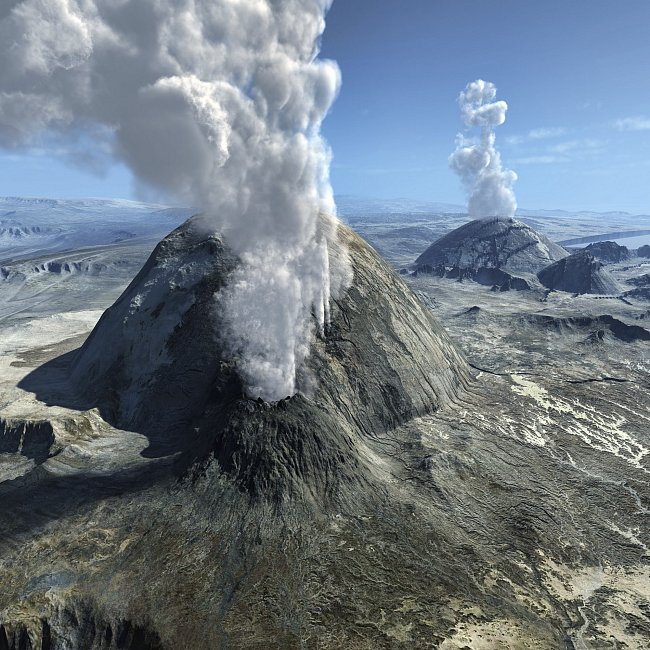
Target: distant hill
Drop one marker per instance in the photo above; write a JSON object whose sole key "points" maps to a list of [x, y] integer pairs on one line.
{"points": [[580, 273], [497, 243]]}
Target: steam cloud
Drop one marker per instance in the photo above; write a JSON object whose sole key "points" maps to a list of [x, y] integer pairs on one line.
{"points": [[477, 161], [217, 102]]}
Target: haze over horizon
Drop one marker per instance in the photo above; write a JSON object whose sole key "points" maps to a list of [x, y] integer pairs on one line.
{"points": [[577, 133]]}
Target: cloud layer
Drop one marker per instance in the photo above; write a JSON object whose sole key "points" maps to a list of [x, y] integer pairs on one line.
{"points": [[637, 123]]}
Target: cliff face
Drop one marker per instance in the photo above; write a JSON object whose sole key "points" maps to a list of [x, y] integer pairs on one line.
{"points": [[579, 273], [155, 364], [506, 244]]}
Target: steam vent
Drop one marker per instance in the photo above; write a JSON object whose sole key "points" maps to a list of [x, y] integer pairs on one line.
{"points": [[491, 251]]}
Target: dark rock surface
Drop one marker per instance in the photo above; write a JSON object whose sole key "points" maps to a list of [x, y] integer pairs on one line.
{"points": [[506, 244], [488, 276], [608, 251], [641, 293], [641, 280], [580, 273], [644, 251]]}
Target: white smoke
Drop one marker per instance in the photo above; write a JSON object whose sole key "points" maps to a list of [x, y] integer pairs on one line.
{"points": [[477, 161], [217, 102]]}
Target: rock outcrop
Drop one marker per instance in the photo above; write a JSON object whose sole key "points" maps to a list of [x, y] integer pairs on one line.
{"points": [[641, 280], [580, 273], [643, 251]]}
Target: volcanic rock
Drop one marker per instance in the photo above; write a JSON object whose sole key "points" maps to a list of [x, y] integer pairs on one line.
{"points": [[608, 251], [641, 293], [580, 273], [507, 244], [641, 280]]}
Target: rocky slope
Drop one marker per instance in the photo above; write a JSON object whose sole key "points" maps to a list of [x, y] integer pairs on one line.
{"points": [[579, 273], [491, 251]]}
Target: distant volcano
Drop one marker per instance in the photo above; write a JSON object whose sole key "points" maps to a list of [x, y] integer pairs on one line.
{"points": [[608, 251], [491, 251]]}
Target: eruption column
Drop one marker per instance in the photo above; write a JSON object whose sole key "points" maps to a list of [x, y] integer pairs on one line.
{"points": [[477, 161], [214, 102]]}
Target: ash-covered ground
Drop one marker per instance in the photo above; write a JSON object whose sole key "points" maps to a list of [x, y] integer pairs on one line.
{"points": [[514, 515]]}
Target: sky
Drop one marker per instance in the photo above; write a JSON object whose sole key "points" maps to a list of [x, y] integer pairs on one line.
{"points": [[574, 74]]}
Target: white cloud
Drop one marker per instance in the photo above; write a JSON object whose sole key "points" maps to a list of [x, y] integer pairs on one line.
{"points": [[543, 133], [540, 160], [585, 145], [561, 152], [637, 123]]}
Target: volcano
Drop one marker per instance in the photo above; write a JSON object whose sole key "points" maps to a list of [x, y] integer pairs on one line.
{"points": [[155, 364], [502, 251], [608, 252]]}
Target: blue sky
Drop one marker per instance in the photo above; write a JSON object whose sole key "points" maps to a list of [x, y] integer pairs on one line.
{"points": [[575, 74]]}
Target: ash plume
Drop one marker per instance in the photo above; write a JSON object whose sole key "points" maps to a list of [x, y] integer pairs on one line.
{"points": [[476, 160], [214, 102]]}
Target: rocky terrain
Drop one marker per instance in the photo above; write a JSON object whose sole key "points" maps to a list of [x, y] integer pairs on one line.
{"points": [[485, 488]]}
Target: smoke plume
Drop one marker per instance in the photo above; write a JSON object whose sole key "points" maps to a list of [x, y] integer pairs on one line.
{"points": [[476, 160], [216, 102]]}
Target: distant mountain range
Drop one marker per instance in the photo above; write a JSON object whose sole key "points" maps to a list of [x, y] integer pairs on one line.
{"points": [[350, 205], [29, 226]]}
